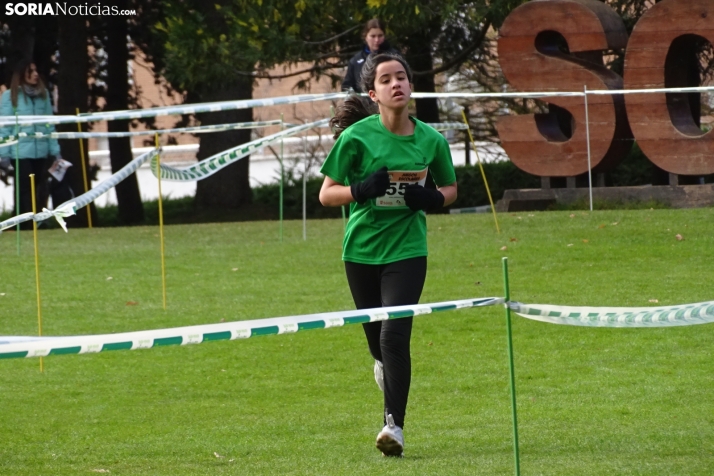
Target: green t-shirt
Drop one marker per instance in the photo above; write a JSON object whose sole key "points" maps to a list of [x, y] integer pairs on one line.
{"points": [[384, 230]]}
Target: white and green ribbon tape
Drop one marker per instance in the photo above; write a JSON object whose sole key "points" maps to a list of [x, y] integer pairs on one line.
{"points": [[448, 126], [666, 316], [67, 208], [21, 347], [213, 164], [90, 135], [174, 110], [301, 98], [10, 140]]}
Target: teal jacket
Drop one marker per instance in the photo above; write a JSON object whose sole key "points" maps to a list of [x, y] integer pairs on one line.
{"points": [[29, 148]]}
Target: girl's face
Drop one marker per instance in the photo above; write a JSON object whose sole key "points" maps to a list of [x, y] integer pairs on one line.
{"points": [[374, 38], [31, 76], [391, 85]]}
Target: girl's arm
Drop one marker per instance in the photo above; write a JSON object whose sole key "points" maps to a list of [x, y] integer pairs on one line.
{"points": [[449, 193], [334, 194]]}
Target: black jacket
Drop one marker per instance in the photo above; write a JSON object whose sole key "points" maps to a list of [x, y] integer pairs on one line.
{"points": [[354, 69]]}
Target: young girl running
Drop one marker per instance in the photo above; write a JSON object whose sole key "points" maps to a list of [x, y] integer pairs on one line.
{"points": [[379, 165]]}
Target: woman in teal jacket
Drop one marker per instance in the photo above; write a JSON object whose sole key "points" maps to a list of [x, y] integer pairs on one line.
{"points": [[28, 96]]}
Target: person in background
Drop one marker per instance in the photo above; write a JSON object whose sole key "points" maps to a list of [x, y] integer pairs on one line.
{"points": [[374, 42], [378, 166], [28, 96]]}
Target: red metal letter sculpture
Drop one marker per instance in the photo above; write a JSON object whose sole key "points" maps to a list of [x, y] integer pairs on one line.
{"points": [[662, 53], [556, 45]]}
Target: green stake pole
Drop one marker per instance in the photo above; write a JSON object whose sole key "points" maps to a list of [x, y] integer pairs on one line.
{"points": [[17, 178], [282, 174], [510, 366]]}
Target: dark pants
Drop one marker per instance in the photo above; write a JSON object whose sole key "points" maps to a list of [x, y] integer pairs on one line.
{"points": [[40, 168], [394, 284]]}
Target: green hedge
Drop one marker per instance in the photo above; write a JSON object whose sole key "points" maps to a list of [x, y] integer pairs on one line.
{"points": [[501, 176]]}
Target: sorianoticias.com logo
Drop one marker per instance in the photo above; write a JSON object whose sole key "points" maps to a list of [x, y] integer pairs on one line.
{"points": [[62, 8]]}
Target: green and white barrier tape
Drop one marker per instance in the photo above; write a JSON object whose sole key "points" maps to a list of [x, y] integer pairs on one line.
{"points": [[213, 164], [174, 110], [666, 316], [70, 207], [301, 98], [193, 130], [10, 140], [448, 126], [198, 171], [21, 347]]}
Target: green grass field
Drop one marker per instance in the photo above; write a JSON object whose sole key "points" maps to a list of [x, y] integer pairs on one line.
{"points": [[590, 401]]}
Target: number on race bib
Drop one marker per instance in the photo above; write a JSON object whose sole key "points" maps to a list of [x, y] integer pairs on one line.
{"points": [[399, 179]]}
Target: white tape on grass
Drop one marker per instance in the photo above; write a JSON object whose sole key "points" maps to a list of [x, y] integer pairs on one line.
{"points": [[21, 347]]}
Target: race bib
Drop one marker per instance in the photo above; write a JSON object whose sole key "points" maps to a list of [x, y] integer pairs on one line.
{"points": [[398, 180]]}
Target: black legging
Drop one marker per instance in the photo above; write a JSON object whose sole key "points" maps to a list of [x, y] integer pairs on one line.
{"points": [[394, 284], [39, 167]]}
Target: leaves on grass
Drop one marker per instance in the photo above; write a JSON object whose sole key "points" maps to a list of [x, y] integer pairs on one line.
{"points": [[585, 241], [504, 248], [654, 300], [570, 244], [513, 239], [2, 294], [109, 278], [478, 283], [602, 226], [572, 215], [234, 269], [217, 455], [679, 237], [131, 303]]}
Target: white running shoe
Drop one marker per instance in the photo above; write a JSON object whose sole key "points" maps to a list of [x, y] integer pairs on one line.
{"points": [[379, 374], [390, 441]]}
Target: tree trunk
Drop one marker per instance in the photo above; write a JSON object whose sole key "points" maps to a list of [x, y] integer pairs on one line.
{"points": [[419, 58], [22, 42], [131, 209], [73, 93], [230, 187], [45, 44]]}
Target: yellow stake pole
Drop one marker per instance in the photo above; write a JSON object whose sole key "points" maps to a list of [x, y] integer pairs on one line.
{"points": [[37, 264], [483, 174], [161, 221], [84, 171]]}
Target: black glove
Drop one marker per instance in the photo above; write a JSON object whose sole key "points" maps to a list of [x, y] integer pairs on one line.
{"points": [[373, 186], [420, 198]]}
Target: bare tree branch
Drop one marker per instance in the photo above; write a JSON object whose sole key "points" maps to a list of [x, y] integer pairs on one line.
{"points": [[332, 38], [461, 57], [314, 69]]}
